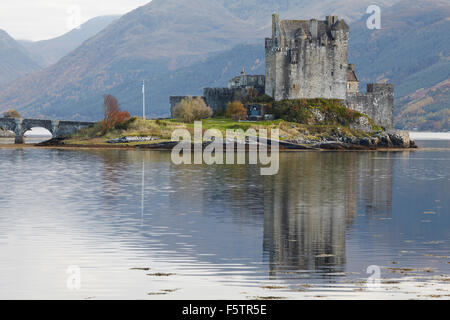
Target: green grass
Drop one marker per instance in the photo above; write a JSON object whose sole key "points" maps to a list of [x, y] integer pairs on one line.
{"points": [[296, 118], [163, 130]]}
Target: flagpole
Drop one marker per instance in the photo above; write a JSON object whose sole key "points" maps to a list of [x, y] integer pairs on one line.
{"points": [[143, 99]]}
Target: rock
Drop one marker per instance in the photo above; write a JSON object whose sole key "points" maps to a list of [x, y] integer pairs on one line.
{"points": [[400, 138], [294, 146], [384, 141], [361, 124], [52, 142], [375, 140], [319, 117], [331, 146], [365, 142]]}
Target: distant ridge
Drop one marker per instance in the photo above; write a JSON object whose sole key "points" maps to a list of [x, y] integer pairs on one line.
{"points": [[15, 61], [48, 52], [181, 46]]}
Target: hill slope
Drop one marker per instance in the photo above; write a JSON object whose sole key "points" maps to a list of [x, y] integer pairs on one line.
{"points": [[412, 50], [160, 36], [15, 62], [259, 11], [48, 52], [182, 46]]}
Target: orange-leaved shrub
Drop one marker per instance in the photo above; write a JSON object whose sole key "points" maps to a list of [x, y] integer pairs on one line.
{"points": [[236, 110], [113, 115]]}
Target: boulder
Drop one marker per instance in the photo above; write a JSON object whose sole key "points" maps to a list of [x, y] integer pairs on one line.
{"points": [[400, 139]]}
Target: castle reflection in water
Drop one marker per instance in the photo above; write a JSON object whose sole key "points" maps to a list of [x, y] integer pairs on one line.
{"points": [[305, 219], [304, 211]]}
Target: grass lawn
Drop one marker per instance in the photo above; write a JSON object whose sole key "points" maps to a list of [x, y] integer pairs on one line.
{"points": [[162, 129]]}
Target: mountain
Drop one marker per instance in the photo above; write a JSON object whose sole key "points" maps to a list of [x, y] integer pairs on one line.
{"points": [[161, 36], [259, 12], [48, 52], [15, 62], [413, 52], [181, 46]]}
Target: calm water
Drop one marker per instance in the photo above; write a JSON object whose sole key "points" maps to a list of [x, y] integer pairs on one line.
{"points": [[217, 230]]}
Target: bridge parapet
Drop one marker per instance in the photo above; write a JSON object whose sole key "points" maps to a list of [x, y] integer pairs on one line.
{"points": [[57, 128]]}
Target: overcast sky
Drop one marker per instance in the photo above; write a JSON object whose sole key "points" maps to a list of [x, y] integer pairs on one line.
{"points": [[45, 19]]}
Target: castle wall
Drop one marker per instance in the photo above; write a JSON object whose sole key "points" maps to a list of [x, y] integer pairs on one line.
{"points": [[217, 98], [377, 103], [248, 81]]}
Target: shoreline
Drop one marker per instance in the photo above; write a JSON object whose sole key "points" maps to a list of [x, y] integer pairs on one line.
{"points": [[146, 148]]}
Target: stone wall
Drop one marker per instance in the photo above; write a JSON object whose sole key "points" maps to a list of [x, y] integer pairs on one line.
{"points": [[248, 81], [217, 98], [377, 103]]}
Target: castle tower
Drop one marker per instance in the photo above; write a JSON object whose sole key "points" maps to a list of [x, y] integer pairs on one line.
{"points": [[307, 59]]}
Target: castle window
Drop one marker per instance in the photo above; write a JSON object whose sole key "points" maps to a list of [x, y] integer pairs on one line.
{"points": [[341, 66], [332, 73]]}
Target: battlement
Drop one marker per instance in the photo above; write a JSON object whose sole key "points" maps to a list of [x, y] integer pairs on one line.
{"points": [[381, 88]]}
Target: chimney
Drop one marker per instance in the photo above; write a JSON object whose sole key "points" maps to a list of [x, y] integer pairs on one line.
{"points": [[351, 66], [313, 28]]}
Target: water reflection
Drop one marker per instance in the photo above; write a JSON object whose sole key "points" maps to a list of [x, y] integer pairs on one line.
{"points": [[304, 211], [324, 214]]}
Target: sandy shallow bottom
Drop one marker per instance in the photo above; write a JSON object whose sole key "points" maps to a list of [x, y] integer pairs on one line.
{"points": [[407, 288], [410, 288]]}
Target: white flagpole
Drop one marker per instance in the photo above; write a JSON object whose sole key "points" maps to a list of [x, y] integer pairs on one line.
{"points": [[143, 99]]}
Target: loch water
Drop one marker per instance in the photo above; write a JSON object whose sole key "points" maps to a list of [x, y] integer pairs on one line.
{"points": [[131, 223]]}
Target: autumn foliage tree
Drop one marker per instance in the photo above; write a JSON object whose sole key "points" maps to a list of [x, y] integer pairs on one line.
{"points": [[113, 115], [236, 110], [192, 109], [11, 114]]}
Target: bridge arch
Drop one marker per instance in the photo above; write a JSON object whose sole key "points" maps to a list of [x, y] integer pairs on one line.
{"points": [[38, 132], [55, 127]]}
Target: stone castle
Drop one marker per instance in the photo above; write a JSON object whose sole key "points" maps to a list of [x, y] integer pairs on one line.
{"points": [[308, 59]]}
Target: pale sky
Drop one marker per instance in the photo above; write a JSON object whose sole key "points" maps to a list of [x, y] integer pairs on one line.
{"points": [[45, 19]]}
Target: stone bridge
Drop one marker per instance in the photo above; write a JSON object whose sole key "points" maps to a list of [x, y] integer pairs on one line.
{"points": [[57, 128]]}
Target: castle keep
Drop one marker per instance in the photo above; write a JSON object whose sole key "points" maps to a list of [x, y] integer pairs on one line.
{"points": [[308, 59]]}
